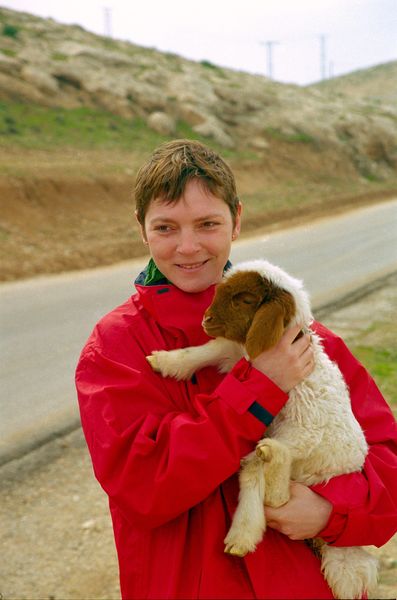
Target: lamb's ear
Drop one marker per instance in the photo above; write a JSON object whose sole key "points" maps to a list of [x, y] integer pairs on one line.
{"points": [[266, 329]]}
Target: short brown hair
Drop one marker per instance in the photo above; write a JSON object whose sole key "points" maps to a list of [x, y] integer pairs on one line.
{"points": [[172, 165]]}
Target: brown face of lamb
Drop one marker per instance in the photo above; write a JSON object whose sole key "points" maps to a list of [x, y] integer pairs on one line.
{"points": [[249, 309]]}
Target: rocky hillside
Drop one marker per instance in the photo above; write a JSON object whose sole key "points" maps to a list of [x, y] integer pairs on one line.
{"points": [[54, 65], [374, 86]]}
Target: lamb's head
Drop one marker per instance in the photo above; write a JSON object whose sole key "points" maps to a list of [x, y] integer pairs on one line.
{"points": [[253, 306]]}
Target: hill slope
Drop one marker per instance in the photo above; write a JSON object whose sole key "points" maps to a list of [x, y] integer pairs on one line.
{"points": [[375, 86]]}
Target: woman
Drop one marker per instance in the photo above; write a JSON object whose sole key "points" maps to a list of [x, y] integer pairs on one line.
{"points": [[167, 452]]}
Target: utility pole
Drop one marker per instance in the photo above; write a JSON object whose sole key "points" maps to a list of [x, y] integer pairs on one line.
{"points": [[323, 57], [107, 20], [269, 51]]}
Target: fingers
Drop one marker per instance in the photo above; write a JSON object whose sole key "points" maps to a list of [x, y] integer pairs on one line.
{"points": [[301, 350], [306, 358], [300, 345], [290, 335], [305, 349], [308, 369], [271, 515]]}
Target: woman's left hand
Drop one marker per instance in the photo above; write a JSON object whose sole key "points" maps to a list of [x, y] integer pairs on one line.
{"points": [[303, 517]]}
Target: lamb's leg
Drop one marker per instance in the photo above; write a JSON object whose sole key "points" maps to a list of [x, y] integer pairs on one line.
{"points": [[277, 458], [350, 572], [182, 363], [248, 525]]}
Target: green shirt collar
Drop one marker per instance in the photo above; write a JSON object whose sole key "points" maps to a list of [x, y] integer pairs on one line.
{"points": [[153, 275]]}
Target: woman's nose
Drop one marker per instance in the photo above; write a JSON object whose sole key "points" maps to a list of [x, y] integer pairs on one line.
{"points": [[188, 243]]}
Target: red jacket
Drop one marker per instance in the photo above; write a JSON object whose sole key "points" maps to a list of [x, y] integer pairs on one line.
{"points": [[167, 454]]}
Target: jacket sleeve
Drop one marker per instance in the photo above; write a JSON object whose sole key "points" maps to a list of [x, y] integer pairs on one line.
{"points": [[154, 460], [364, 503]]}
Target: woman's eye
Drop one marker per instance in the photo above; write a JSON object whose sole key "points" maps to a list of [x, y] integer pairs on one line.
{"points": [[163, 228], [209, 224]]}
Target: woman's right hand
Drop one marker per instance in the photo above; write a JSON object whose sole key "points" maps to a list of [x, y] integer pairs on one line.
{"points": [[289, 361]]}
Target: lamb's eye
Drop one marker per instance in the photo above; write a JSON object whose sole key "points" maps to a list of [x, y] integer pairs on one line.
{"points": [[245, 298]]}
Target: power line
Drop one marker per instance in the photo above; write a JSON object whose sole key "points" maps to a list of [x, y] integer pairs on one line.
{"points": [[269, 51], [107, 20], [323, 57]]}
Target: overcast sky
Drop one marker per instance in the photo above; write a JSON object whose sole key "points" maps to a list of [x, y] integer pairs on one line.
{"points": [[309, 36]]}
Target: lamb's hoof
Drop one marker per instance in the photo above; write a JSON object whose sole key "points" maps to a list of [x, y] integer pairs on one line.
{"points": [[169, 363], [264, 453], [153, 362], [240, 542], [236, 550], [271, 450], [163, 362]]}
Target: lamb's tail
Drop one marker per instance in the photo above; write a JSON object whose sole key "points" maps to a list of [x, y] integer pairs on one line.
{"points": [[351, 572]]}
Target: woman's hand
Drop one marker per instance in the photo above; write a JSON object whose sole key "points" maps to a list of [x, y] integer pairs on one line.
{"points": [[303, 517], [289, 361]]}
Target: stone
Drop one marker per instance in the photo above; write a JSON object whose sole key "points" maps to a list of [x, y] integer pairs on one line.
{"points": [[162, 123], [259, 143], [213, 129], [44, 81]]}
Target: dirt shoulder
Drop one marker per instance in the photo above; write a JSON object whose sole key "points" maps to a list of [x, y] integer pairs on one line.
{"points": [[67, 211], [55, 521]]}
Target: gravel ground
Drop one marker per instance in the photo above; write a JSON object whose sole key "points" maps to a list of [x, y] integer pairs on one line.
{"points": [[56, 534]]}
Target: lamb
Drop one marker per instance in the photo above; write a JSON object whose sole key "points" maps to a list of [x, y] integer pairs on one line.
{"points": [[313, 438]]}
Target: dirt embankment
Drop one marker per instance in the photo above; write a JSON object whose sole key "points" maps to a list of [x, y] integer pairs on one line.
{"points": [[63, 212]]}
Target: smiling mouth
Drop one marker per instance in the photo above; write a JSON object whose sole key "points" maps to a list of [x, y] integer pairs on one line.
{"points": [[193, 266]]}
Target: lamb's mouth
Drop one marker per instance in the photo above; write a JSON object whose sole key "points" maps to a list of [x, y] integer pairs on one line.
{"points": [[213, 331]]}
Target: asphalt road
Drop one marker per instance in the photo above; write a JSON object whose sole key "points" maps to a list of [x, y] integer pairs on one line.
{"points": [[45, 321]]}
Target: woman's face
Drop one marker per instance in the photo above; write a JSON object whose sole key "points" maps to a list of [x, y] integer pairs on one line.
{"points": [[190, 240]]}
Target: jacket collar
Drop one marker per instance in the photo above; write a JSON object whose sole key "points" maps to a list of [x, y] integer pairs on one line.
{"points": [[174, 309], [170, 306]]}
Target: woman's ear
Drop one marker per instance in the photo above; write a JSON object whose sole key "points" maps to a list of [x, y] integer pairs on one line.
{"points": [[266, 329], [141, 228], [237, 223]]}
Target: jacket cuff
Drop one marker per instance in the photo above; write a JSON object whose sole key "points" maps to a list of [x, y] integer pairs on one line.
{"points": [[247, 389], [334, 528], [347, 493]]}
